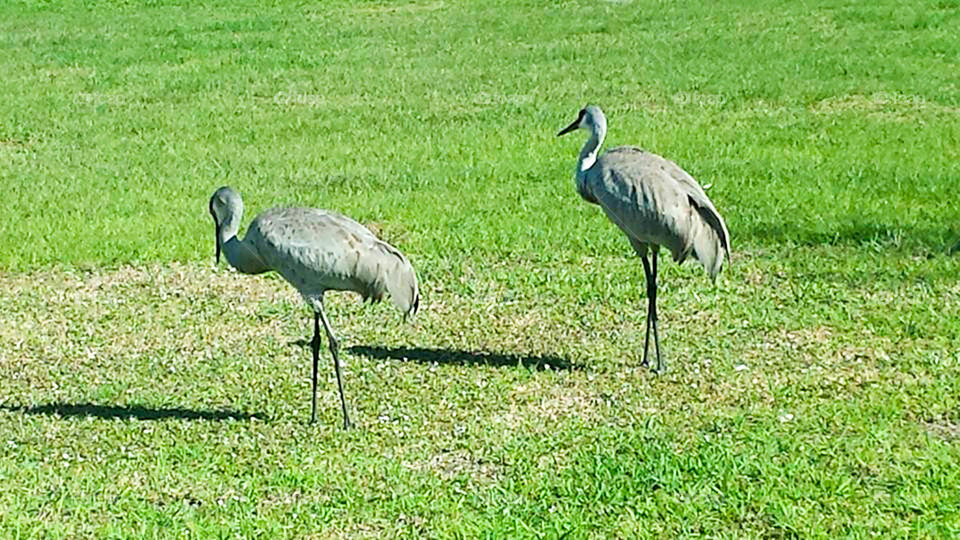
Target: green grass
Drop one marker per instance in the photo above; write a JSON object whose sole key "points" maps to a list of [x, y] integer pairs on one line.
{"points": [[814, 393]]}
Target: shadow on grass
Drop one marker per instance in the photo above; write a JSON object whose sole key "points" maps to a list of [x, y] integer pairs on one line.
{"points": [[862, 234], [109, 412], [464, 358], [954, 249]]}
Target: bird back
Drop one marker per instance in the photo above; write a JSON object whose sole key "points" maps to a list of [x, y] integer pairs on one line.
{"points": [[318, 250], [654, 201]]}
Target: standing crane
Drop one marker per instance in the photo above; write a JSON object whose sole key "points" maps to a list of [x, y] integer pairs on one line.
{"points": [[315, 251], [654, 202]]}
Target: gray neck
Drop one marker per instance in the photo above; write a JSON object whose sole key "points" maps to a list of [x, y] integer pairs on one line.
{"points": [[588, 154], [239, 253]]}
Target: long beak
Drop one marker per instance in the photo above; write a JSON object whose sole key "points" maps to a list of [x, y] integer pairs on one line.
{"points": [[571, 127], [217, 233]]}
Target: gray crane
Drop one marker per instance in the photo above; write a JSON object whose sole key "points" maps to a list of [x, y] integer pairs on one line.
{"points": [[654, 202], [315, 251]]}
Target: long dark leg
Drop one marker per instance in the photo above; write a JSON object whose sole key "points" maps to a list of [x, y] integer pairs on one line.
{"points": [[661, 367], [648, 273], [315, 345], [334, 349]]}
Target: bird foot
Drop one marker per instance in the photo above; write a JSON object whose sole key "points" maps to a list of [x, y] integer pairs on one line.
{"points": [[660, 368], [657, 369]]}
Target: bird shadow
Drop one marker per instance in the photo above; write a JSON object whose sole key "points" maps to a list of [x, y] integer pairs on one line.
{"points": [[111, 412], [466, 358]]}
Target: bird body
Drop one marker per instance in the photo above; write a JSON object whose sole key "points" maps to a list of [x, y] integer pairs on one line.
{"points": [[654, 202], [318, 250], [315, 251]]}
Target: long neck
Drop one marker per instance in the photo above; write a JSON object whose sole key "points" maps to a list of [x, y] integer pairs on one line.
{"points": [[239, 253], [588, 154]]}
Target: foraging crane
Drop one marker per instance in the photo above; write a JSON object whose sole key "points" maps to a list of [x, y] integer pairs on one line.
{"points": [[315, 251], [654, 202]]}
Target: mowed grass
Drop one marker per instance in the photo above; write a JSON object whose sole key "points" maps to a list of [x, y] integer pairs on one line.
{"points": [[814, 392]]}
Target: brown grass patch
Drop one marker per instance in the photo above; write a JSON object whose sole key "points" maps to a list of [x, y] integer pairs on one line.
{"points": [[943, 428], [884, 105], [456, 463], [408, 8]]}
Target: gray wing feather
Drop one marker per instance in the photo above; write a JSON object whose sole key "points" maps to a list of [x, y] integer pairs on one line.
{"points": [[317, 250], [654, 201]]}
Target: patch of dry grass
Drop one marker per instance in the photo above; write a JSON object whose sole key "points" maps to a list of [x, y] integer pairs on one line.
{"points": [[884, 106]]}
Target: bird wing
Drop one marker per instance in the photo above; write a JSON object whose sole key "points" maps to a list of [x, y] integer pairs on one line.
{"points": [[654, 201], [318, 250], [698, 198]]}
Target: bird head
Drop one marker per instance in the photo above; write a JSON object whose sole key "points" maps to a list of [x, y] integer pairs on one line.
{"points": [[590, 118], [226, 207]]}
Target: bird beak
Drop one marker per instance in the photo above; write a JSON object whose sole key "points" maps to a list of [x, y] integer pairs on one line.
{"points": [[217, 233], [571, 127]]}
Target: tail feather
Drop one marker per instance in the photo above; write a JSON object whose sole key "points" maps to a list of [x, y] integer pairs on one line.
{"points": [[402, 284], [710, 241], [708, 251], [397, 277]]}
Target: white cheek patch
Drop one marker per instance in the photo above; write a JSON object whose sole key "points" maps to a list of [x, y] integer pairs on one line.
{"points": [[588, 161]]}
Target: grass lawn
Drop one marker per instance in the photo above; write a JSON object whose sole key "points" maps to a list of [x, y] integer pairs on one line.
{"points": [[813, 392]]}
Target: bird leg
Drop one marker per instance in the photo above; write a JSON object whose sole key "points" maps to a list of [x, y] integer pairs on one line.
{"points": [[651, 276], [334, 349], [315, 345], [661, 367], [649, 279]]}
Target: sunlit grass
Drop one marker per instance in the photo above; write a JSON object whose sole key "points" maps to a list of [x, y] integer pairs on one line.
{"points": [[812, 392]]}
